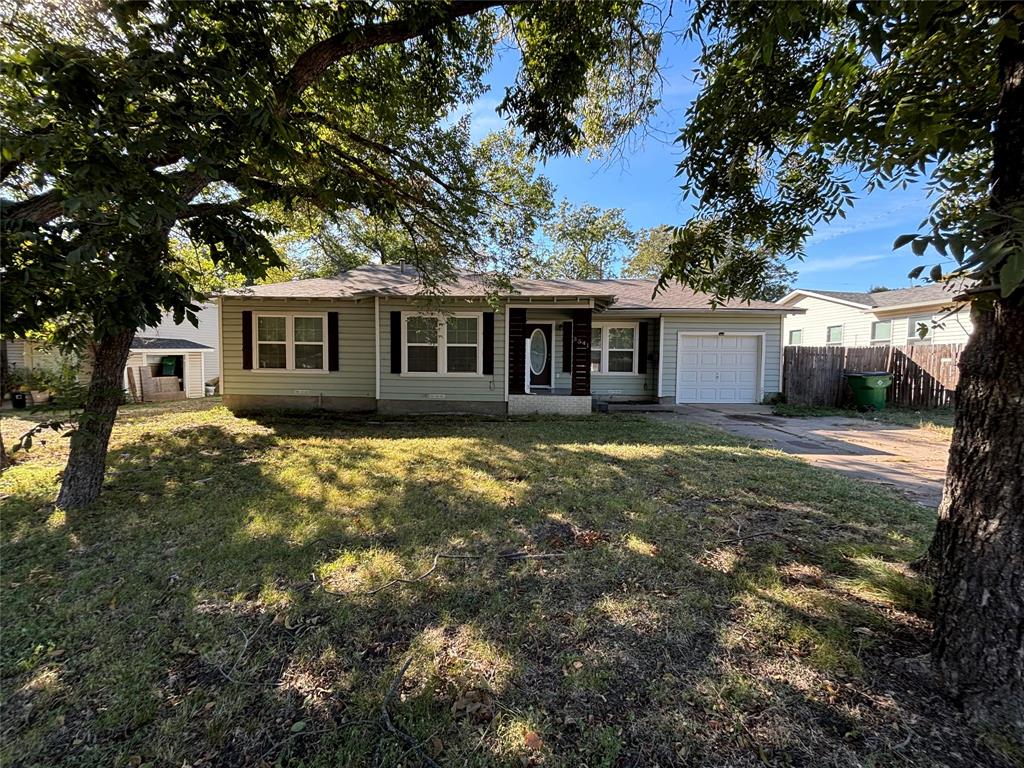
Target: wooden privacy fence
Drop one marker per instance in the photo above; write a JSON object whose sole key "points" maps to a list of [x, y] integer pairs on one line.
{"points": [[924, 375]]}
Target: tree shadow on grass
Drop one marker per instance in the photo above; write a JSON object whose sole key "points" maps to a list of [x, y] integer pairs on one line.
{"points": [[213, 607]]}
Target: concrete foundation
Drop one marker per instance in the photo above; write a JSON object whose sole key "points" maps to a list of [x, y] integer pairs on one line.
{"points": [[410, 407], [299, 403]]}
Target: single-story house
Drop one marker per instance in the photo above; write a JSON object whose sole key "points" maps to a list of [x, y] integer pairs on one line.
{"points": [[851, 319], [369, 339]]}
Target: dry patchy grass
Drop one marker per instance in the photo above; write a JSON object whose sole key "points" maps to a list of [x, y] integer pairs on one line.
{"points": [[712, 604]]}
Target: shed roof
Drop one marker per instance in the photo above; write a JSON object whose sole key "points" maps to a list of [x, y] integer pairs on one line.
{"points": [[152, 344]]}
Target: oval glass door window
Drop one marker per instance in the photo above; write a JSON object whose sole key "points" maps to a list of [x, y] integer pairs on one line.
{"points": [[538, 352]]}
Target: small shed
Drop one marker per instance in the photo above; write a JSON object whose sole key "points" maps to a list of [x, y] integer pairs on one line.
{"points": [[165, 369]]}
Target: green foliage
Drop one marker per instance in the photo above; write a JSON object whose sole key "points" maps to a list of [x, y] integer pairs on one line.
{"points": [[800, 101], [770, 279], [131, 129], [585, 243]]}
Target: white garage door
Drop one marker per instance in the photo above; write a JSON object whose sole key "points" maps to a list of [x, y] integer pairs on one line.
{"points": [[718, 369]]}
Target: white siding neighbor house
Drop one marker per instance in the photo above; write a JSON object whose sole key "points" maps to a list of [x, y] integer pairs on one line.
{"points": [[927, 314], [371, 339]]}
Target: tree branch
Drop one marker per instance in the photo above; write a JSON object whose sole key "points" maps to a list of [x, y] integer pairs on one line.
{"points": [[318, 57]]}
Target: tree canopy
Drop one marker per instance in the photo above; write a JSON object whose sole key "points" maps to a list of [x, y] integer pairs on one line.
{"points": [[803, 106], [651, 257], [128, 124], [583, 242]]}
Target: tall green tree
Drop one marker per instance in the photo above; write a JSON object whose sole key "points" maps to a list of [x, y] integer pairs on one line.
{"points": [[128, 124], [799, 104], [584, 243], [516, 199], [769, 281]]}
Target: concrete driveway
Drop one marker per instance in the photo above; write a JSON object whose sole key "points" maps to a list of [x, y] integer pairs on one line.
{"points": [[909, 459]]}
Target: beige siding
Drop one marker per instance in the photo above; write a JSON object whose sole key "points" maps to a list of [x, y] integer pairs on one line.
{"points": [[857, 323], [194, 379], [355, 349], [412, 386], [820, 315], [634, 384], [952, 328], [771, 327]]}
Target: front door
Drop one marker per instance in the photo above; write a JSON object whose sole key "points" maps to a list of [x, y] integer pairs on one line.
{"points": [[539, 360]]}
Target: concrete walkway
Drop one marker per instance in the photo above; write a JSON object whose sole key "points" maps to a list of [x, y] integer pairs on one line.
{"points": [[909, 459]]}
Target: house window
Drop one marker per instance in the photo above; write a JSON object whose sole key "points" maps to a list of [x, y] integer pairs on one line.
{"points": [[421, 344], [462, 344], [919, 329], [796, 338], [272, 342], [613, 348], [291, 342], [834, 334], [881, 331], [451, 344], [596, 345], [309, 343]]}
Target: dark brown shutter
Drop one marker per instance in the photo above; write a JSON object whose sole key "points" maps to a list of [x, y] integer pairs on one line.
{"points": [[488, 343], [641, 364], [581, 328], [332, 341], [247, 340], [516, 351], [566, 347], [396, 342]]}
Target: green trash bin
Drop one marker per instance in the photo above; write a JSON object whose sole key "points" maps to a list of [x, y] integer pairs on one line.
{"points": [[168, 365], [869, 389]]}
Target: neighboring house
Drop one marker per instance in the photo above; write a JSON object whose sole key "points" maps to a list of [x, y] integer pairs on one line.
{"points": [[845, 318], [193, 347], [206, 333], [369, 340]]}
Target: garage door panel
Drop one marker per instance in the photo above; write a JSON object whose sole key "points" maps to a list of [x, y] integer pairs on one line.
{"points": [[718, 369]]}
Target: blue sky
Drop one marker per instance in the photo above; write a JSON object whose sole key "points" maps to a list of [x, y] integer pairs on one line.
{"points": [[851, 254]]}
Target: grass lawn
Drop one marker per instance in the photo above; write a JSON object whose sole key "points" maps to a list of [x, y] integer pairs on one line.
{"points": [[939, 420], [232, 601]]}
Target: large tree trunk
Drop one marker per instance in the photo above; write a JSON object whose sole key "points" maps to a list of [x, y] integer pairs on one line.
{"points": [[978, 552], [83, 476]]}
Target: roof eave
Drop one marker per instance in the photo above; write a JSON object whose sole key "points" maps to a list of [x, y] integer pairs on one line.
{"points": [[823, 297]]}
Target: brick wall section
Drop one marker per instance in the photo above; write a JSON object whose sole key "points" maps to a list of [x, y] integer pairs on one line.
{"points": [[563, 405]]}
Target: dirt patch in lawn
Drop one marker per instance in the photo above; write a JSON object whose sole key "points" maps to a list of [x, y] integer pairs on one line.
{"points": [[618, 592]]}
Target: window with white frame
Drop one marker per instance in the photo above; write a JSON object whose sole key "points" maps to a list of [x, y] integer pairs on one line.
{"points": [[881, 331], [613, 348], [451, 344], [919, 328], [462, 344], [271, 341], [291, 342], [834, 334], [421, 344], [796, 338]]}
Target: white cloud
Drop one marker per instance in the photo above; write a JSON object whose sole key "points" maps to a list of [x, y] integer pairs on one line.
{"points": [[813, 265]]}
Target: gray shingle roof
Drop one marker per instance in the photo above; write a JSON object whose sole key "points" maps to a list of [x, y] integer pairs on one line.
{"points": [[151, 344], [937, 292], [391, 280]]}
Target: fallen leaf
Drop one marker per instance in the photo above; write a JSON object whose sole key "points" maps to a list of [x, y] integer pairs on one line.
{"points": [[436, 747], [533, 741]]}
